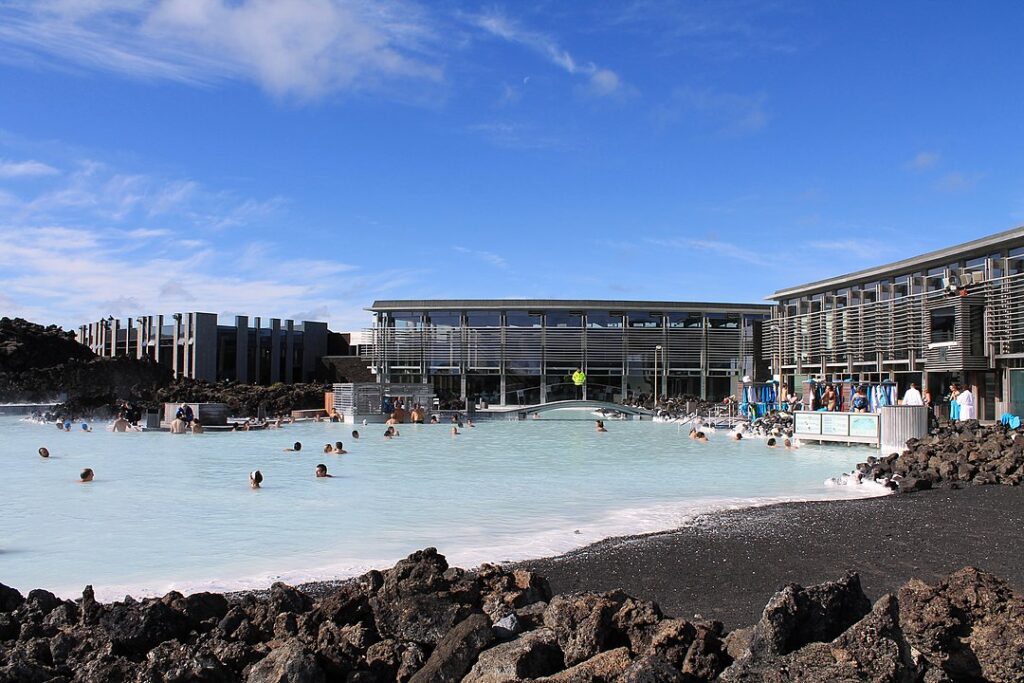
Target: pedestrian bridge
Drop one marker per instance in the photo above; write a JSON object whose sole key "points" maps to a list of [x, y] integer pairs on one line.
{"points": [[572, 404]]}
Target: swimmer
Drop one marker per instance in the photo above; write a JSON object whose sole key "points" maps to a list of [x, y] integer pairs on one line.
{"points": [[197, 428], [600, 426], [255, 479], [43, 453], [355, 433], [86, 427], [121, 425], [455, 430], [178, 426], [296, 447], [469, 423], [693, 433], [328, 448], [86, 475], [787, 444], [701, 437], [338, 449], [321, 472], [434, 420], [771, 443], [389, 433]]}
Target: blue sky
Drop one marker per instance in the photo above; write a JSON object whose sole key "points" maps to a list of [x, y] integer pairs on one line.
{"points": [[302, 158]]}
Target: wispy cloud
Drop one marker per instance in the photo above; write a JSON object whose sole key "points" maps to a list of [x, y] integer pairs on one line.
{"points": [[727, 113], [515, 135], [601, 81], [713, 246], [922, 161], [957, 182], [302, 48], [96, 241], [861, 248], [25, 169], [488, 257]]}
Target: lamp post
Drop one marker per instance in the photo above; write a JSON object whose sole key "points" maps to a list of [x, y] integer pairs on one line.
{"points": [[656, 350]]}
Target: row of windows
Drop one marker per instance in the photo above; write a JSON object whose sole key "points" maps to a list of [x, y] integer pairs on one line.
{"points": [[994, 266], [567, 320]]}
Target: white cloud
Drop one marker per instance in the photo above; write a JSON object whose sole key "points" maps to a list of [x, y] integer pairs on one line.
{"points": [[303, 48], [488, 257], [25, 169], [956, 182], [861, 248], [728, 113], [725, 249], [601, 81], [85, 247], [922, 161]]}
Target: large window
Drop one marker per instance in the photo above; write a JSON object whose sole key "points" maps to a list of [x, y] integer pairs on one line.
{"points": [[693, 321], [444, 319], [648, 321], [483, 319], [564, 319], [403, 320], [943, 324], [603, 319], [522, 319]]}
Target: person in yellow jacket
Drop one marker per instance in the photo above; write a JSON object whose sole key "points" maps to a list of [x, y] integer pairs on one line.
{"points": [[579, 378]]}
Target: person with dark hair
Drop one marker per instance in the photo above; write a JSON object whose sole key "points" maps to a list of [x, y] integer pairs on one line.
{"points": [[339, 448], [771, 443], [255, 479], [600, 426], [321, 472], [297, 446], [701, 437], [328, 448], [355, 433], [389, 433], [455, 430], [87, 475], [43, 452]]}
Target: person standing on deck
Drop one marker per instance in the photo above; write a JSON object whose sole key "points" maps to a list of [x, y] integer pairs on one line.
{"points": [[966, 401], [913, 396], [579, 378]]}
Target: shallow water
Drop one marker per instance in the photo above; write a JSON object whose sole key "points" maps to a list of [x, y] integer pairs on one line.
{"points": [[176, 511]]}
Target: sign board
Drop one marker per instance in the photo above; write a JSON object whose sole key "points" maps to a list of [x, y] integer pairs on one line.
{"points": [[864, 425], [836, 424], [808, 423]]}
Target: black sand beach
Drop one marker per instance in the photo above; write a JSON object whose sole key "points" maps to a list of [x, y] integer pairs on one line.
{"points": [[726, 566]]}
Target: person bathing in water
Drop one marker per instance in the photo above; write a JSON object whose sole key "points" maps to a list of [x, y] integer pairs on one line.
{"points": [[296, 447], [321, 472], [338, 449], [86, 475], [600, 426], [255, 479], [43, 453], [328, 448], [355, 433]]}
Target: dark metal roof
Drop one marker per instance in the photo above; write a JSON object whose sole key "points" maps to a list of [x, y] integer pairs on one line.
{"points": [[974, 248], [559, 304]]}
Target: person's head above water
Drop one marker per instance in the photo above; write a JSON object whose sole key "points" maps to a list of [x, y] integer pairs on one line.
{"points": [[255, 479], [87, 475], [328, 448], [338, 446], [771, 443], [297, 446], [355, 434], [321, 471], [43, 453]]}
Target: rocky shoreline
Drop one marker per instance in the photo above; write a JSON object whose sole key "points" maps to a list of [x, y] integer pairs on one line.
{"points": [[954, 455], [424, 621]]}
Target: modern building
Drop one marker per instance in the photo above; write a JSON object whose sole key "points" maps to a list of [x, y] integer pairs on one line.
{"points": [[196, 345], [955, 314], [524, 351]]}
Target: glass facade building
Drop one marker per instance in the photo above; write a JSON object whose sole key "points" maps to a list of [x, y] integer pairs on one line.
{"points": [[195, 345], [950, 315], [523, 352]]}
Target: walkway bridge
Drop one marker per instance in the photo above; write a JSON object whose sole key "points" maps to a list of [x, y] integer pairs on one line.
{"points": [[524, 412]]}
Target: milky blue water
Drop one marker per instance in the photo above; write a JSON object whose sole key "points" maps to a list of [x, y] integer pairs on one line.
{"points": [[176, 511]]}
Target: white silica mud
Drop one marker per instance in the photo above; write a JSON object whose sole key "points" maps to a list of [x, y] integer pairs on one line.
{"points": [[176, 511]]}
